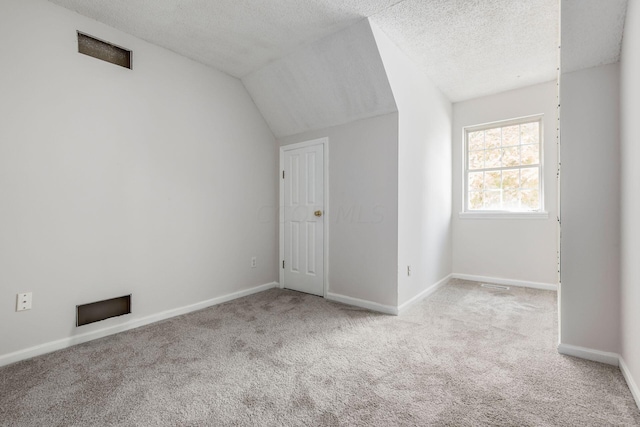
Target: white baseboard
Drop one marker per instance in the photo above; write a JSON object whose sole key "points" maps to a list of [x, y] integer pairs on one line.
{"points": [[370, 305], [508, 282], [626, 373], [38, 350], [604, 357], [589, 354], [422, 295]]}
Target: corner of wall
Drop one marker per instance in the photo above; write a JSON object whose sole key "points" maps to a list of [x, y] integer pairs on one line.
{"points": [[630, 200], [424, 173]]}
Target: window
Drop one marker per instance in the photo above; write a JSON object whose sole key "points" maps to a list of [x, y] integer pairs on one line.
{"points": [[503, 167]]}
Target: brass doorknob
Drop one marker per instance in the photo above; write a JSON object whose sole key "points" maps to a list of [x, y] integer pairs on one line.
{"points": [[318, 213]]}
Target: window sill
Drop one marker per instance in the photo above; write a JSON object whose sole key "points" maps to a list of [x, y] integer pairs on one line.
{"points": [[503, 215]]}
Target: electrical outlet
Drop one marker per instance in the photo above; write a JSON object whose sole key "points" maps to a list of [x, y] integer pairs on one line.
{"points": [[408, 270], [24, 301], [254, 262]]}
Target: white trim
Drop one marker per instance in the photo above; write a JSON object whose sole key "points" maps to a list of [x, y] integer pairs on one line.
{"points": [[422, 295], [370, 305], [502, 215], [503, 123], [589, 354], [38, 350], [325, 150], [604, 357], [509, 282], [626, 373]]}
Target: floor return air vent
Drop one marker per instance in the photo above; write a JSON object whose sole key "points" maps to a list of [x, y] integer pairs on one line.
{"points": [[492, 286]]}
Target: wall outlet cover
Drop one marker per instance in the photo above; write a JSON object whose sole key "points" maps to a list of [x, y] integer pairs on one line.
{"points": [[24, 301]]}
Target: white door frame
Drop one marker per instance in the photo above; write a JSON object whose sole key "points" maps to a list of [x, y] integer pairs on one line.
{"points": [[325, 144]]}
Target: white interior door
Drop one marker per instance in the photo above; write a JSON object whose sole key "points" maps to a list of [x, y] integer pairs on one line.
{"points": [[304, 219]]}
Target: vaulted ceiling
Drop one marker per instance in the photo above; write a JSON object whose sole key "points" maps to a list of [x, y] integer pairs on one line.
{"points": [[469, 48]]}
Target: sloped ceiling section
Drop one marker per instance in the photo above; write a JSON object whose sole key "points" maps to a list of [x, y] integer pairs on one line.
{"points": [[468, 48], [333, 81], [591, 33], [237, 37]]}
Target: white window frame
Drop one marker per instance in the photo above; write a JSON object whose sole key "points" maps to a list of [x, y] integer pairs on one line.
{"points": [[502, 214]]}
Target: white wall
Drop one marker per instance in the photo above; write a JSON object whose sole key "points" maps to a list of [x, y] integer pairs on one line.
{"points": [[387, 209], [630, 228], [148, 181], [590, 151], [362, 214], [424, 173], [512, 249]]}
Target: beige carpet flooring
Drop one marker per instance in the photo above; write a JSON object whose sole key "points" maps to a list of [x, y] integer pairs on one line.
{"points": [[466, 356]]}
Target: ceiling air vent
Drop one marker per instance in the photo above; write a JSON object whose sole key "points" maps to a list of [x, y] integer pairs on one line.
{"points": [[108, 52]]}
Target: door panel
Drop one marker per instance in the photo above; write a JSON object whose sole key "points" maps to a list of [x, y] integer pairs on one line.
{"points": [[303, 229]]}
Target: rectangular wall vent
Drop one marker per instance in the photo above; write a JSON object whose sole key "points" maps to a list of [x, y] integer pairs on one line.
{"points": [[99, 49], [101, 310]]}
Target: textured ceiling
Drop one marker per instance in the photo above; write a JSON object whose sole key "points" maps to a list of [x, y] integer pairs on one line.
{"points": [[591, 32], [471, 48], [468, 48]]}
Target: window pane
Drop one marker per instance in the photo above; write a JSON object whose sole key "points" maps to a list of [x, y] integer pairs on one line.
{"points": [[476, 200], [530, 154], [492, 138], [529, 133], [476, 181], [510, 135], [511, 179], [492, 159], [511, 156], [492, 200], [476, 160], [492, 180], [510, 199], [476, 140], [529, 178], [530, 199]]}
